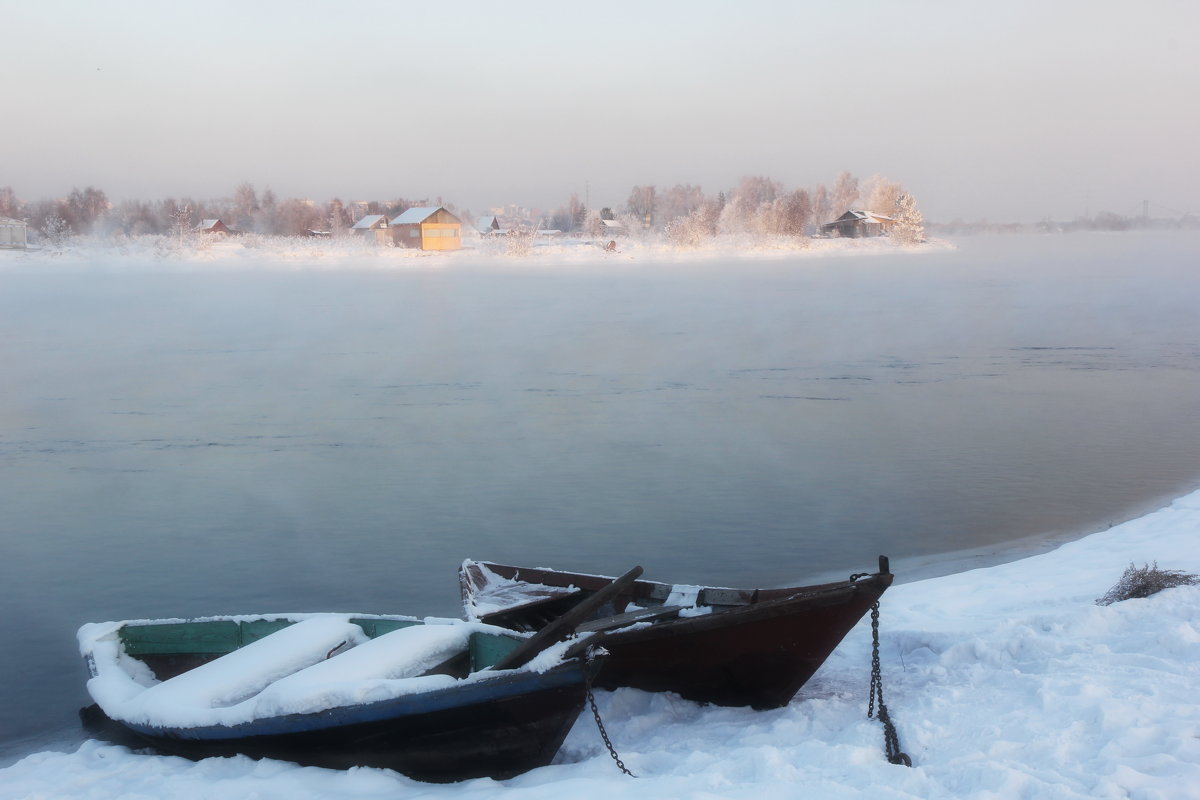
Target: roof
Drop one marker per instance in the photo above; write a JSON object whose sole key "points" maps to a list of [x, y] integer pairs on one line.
{"points": [[11, 221], [369, 221], [205, 224], [414, 215], [855, 214]]}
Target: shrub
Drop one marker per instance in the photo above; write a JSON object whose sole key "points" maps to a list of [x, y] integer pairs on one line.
{"points": [[1145, 581]]}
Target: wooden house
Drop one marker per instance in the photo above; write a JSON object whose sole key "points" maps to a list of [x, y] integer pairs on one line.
{"points": [[14, 234], [374, 227], [427, 228], [855, 224], [214, 226], [487, 225]]}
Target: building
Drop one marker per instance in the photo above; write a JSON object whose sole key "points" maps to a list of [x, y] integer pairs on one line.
{"points": [[427, 228], [214, 226], [374, 227], [855, 224], [14, 234], [488, 225]]}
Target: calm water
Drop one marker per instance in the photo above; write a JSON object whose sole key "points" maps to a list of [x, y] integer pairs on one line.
{"points": [[187, 444]]}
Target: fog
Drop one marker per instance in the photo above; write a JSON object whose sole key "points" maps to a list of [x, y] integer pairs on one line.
{"points": [[245, 438], [1013, 112]]}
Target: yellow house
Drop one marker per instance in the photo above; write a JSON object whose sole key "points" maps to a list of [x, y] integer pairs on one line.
{"points": [[429, 228]]}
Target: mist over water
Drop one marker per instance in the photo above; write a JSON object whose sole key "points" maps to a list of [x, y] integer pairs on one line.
{"points": [[257, 440]]}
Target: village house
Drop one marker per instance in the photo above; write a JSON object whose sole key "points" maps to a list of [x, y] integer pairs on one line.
{"points": [[214, 226], [487, 225], [855, 224], [427, 228], [374, 227], [14, 234]]}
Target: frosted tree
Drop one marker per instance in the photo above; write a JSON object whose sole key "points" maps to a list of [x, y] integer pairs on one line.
{"points": [[339, 219], [694, 229], [882, 195], [910, 225], [845, 195], [680, 201], [245, 207], [821, 209], [84, 208], [10, 206], [642, 205]]}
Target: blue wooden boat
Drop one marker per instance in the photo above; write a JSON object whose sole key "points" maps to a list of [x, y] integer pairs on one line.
{"points": [[332, 691], [438, 700]]}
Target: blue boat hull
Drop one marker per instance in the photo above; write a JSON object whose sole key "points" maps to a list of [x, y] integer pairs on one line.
{"points": [[494, 727]]}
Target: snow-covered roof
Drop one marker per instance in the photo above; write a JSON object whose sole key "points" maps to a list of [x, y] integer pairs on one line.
{"points": [[11, 221], [414, 215], [369, 221]]}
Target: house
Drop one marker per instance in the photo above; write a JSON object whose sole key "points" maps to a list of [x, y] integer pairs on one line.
{"points": [[855, 224], [14, 234], [612, 227], [427, 228], [214, 226], [374, 227], [488, 225]]}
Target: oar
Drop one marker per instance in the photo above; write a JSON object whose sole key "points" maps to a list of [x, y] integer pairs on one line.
{"points": [[562, 627]]}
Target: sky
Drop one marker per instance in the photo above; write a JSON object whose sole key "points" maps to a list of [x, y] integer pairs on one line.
{"points": [[1014, 111]]}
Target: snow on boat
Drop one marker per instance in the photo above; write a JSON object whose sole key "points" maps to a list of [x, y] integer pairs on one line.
{"points": [[335, 690], [735, 647]]}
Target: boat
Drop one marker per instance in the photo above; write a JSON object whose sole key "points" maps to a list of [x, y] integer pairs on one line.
{"points": [[733, 647], [437, 700], [332, 690]]}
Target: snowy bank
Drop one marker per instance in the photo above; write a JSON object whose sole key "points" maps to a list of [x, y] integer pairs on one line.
{"points": [[161, 253], [1004, 682]]}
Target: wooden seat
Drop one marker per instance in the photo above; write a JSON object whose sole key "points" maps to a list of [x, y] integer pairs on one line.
{"points": [[630, 618]]}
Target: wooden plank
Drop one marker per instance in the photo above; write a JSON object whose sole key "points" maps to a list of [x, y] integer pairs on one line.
{"points": [[378, 627], [489, 648], [217, 636], [257, 629]]}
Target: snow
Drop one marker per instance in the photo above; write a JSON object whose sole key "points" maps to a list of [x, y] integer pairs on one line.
{"points": [[269, 253], [288, 672], [1004, 682]]}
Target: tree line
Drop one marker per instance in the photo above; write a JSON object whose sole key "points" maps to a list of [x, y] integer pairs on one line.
{"points": [[757, 206], [684, 214]]}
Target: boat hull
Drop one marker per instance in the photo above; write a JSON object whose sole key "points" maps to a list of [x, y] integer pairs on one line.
{"points": [[757, 649], [495, 731], [759, 656]]}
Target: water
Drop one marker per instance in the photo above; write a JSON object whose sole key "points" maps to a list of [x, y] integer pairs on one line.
{"points": [[202, 443]]}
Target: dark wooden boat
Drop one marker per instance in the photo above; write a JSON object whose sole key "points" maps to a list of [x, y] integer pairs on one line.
{"points": [[348, 691], [735, 647]]}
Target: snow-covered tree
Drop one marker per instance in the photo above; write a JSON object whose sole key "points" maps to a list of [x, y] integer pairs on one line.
{"points": [[845, 195], [10, 206], [881, 195], [245, 208], [821, 208], [642, 205], [910, 225]]}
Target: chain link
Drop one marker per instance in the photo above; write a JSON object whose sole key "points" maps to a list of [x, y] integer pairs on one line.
{"points": [[612, 751], [891, 740]]}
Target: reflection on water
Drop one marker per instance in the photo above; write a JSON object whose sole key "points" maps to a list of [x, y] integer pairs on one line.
{"points": [[191, 444]]}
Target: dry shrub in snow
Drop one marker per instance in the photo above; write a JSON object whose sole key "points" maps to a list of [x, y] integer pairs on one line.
{"points": [[1145, 581]]}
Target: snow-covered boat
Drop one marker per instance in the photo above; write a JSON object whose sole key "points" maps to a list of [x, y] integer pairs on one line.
{"points": [[335, 690], [737, 647]]}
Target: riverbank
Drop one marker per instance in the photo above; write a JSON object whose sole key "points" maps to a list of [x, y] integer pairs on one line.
{"points": [[1004, 682]]}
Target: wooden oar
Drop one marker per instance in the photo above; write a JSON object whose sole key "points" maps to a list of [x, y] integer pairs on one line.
{"points": [[565, 625]]}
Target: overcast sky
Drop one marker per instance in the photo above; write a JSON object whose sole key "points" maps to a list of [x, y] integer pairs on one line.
{"points": [[1009, 111]]}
